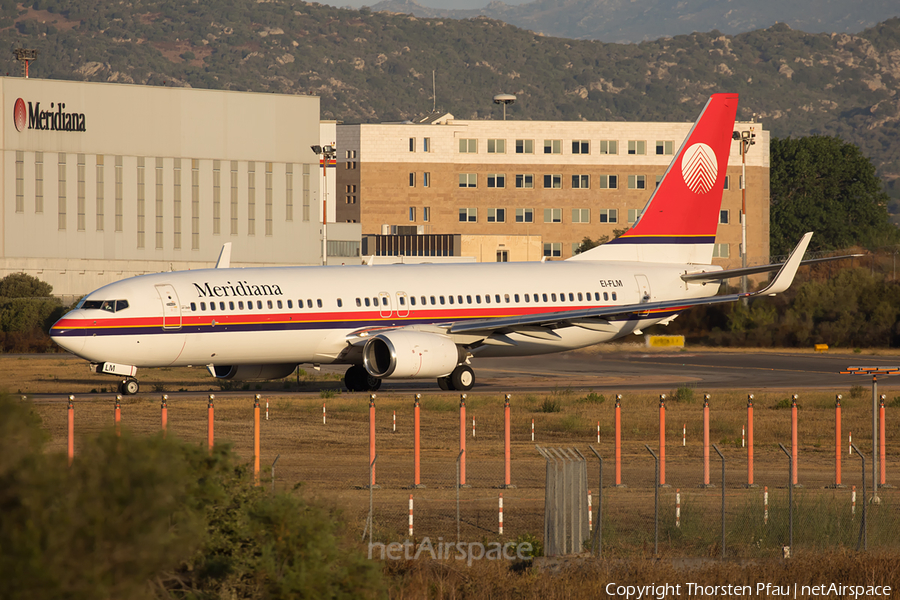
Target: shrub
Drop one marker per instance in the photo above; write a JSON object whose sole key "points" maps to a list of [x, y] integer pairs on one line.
{"points": [[550, 405]]}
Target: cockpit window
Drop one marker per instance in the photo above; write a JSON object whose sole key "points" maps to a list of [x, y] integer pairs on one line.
{"points": [[107, 305]]}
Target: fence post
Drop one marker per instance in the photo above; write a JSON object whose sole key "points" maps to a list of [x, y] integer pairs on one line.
{"points": [[655, 505], [790, 497], [661, 468], [369, 520], [618, 440], [507, 449], [118, 415], [863, 529], [462, 440], [210, 420], [71, 419], [750, 441], [881, 438], [417, 445], [706, 441], [256, 440], [598, 533], [837, 441], [164, 418], [371, 440], [716, 448], [458, 463], [795, 446]]}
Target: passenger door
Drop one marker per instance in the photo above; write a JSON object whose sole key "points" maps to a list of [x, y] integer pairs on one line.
{"points": [[170, 305]]}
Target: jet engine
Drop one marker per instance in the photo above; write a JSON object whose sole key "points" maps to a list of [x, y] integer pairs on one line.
{"points": [[252, 372], [410, 354]]}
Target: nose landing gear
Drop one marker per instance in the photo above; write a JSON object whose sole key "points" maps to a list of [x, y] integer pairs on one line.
{"points": [[129, 386]]}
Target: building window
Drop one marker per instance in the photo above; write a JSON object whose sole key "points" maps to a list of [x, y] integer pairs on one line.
{"points": [[581, 182], [552, 146], [496, 146], [637, 182], [20, 181], [426, 214], [502, 255], [468, 146], [468, 180], [634, 214], [609, 147], [158, 190], [141, 202], [426, 146], [658, 180], [723, 217], [101, 197], [553, 250], [412, 144], [468, 215], [412, 214], [251, 198], [637, 147], [176, 202], [721, 251], [412, 180], [61, 189], [80, 197], [552, 215], [306, 192], [496, 215], [289, 192], [609, 215], [426, 179], [524, 146], [525, 181], [608, 182], [524, 215], [581, 215], [234, 197], [664, 147], [195, 204], [217, 197], [553, 182], [270, 199], [727, 182], [495, 180], [581, 147], [38, 182]]}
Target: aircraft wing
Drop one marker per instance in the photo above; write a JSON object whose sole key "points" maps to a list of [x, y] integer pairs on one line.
{"points": [[730, 273], [541, 324]]}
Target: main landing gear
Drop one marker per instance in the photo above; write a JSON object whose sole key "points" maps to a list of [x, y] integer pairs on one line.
{"points": [[357, 379], [129, 386], [462, 379]]}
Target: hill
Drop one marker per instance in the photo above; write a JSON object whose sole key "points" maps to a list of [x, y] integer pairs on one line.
{"points": [[378, 67]]}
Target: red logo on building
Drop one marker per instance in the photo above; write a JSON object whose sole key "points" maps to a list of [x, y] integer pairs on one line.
{"points": [[20, 115]]}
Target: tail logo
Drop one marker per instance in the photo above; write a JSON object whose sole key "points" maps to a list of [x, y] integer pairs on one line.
{"points": [[699, 168]]}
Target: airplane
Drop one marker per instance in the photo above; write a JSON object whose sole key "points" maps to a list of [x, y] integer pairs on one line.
{"points": [[428, 321]]}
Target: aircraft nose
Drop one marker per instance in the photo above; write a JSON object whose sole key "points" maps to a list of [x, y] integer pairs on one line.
{"points": [[69, 332]]}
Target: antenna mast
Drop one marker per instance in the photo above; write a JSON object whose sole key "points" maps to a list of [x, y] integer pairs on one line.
{"points": [[433, 93]]}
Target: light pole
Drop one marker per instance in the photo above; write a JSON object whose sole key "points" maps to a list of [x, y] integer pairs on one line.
{"points": [[328, 154], [504, 99], [747, 139]]}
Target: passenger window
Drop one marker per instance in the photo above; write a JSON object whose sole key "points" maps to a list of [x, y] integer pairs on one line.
{"points": [[249, 304], [212, 306], [340, 303], [269, 304], [259, 304], [572, 297], [579, 296], [384, 301], [450, 298], [442, 300], [527, 298], [308, 303], [319, 303], [358, 302], [424, 301], [516, 298], [597, 296], [614, 296], [544, 297], [221, 306], [497, 298], [468, 299], [412, 300], [432, 301], [477, 299], [203, 306], [290, 304], [278, 304], [193, 306], [367, 302], [553, 297], [605, 296], [240, 305], [487, 298], [230, 305], [506, 297], [402, 301], [459, 299]]}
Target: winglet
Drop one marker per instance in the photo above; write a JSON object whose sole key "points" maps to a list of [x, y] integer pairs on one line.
{"points": [[785, 275], [224, 261]]}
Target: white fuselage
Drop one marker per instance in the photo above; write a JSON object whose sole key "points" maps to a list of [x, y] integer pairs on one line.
{"points": [[315, 314]]}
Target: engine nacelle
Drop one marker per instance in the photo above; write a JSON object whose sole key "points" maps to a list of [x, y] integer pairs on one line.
{"points": [[252, 372], [410, 354]]}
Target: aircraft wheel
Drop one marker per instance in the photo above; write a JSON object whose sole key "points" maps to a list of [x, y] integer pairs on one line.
{"points": [[355, 378], [130, 387], [372, 383], [462, 378], [445, 384]]}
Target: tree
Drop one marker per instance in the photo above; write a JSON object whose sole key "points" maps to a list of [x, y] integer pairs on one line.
{"points": [[587, 243], [825, 185], [22, 285]]}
